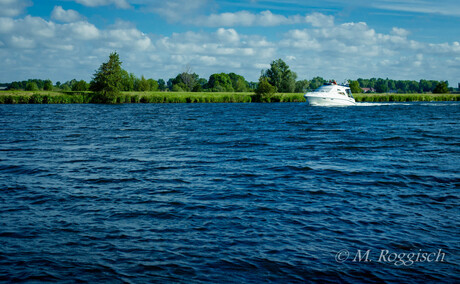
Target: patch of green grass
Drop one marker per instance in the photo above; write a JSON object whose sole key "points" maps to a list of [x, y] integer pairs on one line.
{"points": [[387, 97], [53, 97]]}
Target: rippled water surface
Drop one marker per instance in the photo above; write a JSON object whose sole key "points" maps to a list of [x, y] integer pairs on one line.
{"points": [[223, 193]]}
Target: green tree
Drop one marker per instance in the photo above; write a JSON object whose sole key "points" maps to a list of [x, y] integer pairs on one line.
{"points": [[301, 86], [316, 82], [48, 86], [161, 84], [80, 86], [144, 85], [107, 80], [265, 88], [31, 86], [188, 79], [414, 87], [153, 85], [426, 86], [220, 83], [15, 86], [127, 81], [441, 88], [185, 81], [280, 76], [381, 86], [239, 84], [354, 87]]}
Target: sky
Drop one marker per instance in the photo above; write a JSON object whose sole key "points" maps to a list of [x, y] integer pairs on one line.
{"points": [[69, 39]]}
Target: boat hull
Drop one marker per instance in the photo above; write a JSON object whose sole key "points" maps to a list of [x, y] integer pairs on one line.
{"points": [[315, 100]]}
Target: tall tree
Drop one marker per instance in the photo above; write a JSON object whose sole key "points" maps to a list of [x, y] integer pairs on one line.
{"points": [[316, 82], [31, 86], [144, 85], [280, 76], [127, 81], [301, 86], [354, 87], [161, 84], [381, 86], [441, 88], [239, 84], [220, 83], [80, 86], [264, 89], [188, 78], [108, 78], [153, 85], [48, 86]]}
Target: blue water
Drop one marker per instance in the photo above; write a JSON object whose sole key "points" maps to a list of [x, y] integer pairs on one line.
{"points": [[225, 193]]}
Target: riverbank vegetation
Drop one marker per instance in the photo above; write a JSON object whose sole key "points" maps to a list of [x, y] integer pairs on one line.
{"points": [[112, 84], [394, 97], [59, 97]]}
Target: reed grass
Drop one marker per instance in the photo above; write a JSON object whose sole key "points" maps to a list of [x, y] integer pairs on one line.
{"points": [[49, 97], [45, 97], [387, 97]]}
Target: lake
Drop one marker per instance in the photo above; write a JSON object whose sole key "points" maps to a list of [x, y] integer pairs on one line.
{"points": [[225, 193]]}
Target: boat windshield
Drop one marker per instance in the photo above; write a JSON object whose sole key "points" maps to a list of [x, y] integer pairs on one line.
{"points": [[324, 89], [349, 93]]}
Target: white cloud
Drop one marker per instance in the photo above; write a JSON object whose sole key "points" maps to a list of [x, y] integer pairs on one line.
{"points": [[6, 25], [320, 20], [62, 15], [63, 51], [129, 38], [82, 30], [123, 4], [352, 50], [400, 32], [228, 35], [13, 8], [22, 42]]}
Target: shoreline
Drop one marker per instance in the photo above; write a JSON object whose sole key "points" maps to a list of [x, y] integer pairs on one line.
{"points": [[58, 97]]}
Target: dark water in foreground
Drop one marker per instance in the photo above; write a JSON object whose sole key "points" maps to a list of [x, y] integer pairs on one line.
{"points": [[229, 193]]}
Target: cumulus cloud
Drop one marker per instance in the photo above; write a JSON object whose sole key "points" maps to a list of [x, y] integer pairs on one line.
{"points": [[66, 50], [62, 15], [320, 20], [82, 30], [352, 50], [13, 8], [400, 32]]}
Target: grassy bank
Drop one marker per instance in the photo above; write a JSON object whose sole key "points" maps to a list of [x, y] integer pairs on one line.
{"points": [[405, 97], [47, 97]]}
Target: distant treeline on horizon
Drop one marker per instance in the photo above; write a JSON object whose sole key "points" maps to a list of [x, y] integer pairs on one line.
{"points": [[231, 82]]}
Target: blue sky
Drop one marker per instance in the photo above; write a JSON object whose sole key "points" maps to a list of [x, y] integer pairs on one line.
{"points": [[62, 40]]}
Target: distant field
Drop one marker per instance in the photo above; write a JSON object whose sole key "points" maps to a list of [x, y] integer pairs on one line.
{"points": [[53, 97]]}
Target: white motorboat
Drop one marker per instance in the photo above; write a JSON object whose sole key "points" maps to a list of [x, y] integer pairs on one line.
{"points": [[331, 94]]}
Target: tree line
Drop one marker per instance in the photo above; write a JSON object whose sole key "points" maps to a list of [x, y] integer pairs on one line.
{"points": [[110, 78]]}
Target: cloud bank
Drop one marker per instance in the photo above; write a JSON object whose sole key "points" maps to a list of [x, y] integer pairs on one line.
{"points": [[68, 45]]}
